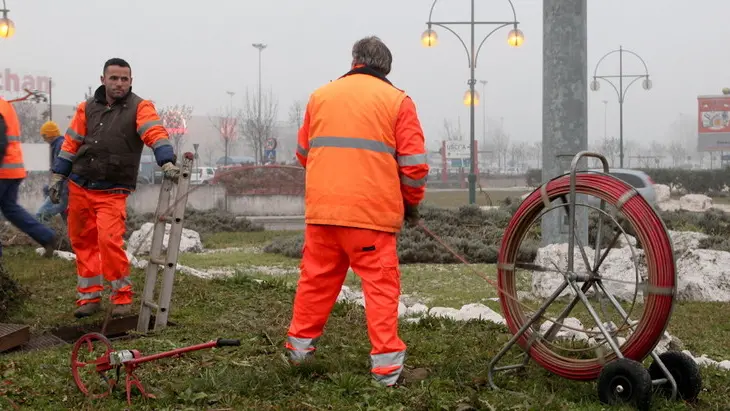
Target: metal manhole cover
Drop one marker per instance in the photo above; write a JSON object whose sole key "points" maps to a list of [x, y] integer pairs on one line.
{"points": [[13, 335]]}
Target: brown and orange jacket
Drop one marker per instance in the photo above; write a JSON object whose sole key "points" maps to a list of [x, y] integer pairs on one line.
{"points": [[364, 151], [103, 145]]}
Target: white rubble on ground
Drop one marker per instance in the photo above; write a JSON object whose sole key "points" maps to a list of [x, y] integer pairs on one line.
{"points": [[141, 240], [618, 265], [570, 329], [701, 275], [416, 310], [695, 202], [663, 193]]}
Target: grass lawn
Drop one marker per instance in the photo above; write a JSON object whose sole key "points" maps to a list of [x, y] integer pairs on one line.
{"points": [[256, 376], [448, 199]]}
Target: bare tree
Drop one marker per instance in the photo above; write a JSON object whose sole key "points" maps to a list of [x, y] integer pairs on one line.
{"points": [[209, 152], [296, 113], [658, 150], [518, 152], [31, 119], [501, 147], [451, 133], [678, 152], [225, 124], [537, 152], [610, 147], [257, 120], [175, 119]]}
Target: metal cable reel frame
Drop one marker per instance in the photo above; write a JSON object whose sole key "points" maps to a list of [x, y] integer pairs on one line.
{"points": [[558, 323], [622, 378]]}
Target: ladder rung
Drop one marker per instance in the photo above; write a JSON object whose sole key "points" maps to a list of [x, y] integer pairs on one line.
{"points": [[151, 305], [158, 261]]}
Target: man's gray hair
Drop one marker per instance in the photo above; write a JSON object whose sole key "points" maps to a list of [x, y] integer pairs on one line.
{"points": [[372, 52]]}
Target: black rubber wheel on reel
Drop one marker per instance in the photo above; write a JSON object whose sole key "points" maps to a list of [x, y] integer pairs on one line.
{"points": [[625, 382], [684, 370]]}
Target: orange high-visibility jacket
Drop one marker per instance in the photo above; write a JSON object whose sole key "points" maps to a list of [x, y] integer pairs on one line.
{"points": [[364, 151], [12, 164]]}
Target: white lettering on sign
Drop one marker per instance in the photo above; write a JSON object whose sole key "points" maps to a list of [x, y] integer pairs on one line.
{"points": [[457, 149]]}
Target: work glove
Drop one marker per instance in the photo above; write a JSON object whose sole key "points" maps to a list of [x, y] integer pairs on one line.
{"points": [[54, 189], [171, 171], [412, 216]]}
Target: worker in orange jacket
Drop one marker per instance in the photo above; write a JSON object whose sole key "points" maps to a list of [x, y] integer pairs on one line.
{"points": [[12, 173], [364, 152], [100, 156]]}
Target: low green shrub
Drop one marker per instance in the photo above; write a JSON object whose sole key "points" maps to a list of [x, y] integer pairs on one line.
{"points": [[204, 222], [473, 233], [476, 234]]}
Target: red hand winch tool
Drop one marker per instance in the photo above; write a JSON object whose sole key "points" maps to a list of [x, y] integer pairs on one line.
{"points": [[115, 360]]}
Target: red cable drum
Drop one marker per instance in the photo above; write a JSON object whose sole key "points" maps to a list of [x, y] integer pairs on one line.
{"points": [[650, 231]]}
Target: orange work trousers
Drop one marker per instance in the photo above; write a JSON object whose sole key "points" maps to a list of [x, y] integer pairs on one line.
{"points": [[96, 226], [329, 251]]}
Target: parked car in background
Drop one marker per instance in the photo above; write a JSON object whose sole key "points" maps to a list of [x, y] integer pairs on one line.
{"points": [[202, 175], [637, 179]]}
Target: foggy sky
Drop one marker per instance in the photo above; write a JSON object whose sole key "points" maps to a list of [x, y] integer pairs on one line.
{"points": [[191, 52]]}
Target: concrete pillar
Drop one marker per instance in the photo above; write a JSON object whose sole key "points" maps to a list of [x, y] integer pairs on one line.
{"points": [[564, 108]]}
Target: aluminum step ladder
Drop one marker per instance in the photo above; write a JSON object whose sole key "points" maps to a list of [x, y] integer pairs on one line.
{"points": [[167, 261]]}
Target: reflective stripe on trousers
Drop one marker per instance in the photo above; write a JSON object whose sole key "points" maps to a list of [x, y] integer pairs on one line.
{"points": [[300, 349], [90, 288], [386, 368]]}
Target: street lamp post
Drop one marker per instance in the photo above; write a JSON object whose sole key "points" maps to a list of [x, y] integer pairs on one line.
{"points": [[515, 38], [620, 89], [260, 47], [7, 27], [484, 113]]}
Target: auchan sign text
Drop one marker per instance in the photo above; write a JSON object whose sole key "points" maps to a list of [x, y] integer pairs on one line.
{"points": [[11, 82]]}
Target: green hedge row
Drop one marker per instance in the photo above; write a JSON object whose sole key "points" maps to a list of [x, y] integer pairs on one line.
{"points": [[711, 182]]}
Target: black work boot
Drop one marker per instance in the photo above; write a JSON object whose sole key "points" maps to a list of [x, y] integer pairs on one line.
{"points": [[87, 310], [51, 247]]}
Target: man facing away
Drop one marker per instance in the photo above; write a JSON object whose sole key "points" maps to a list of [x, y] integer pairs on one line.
{"points": [[100, 157], [364, 152], [52, 135], [12, 173]]}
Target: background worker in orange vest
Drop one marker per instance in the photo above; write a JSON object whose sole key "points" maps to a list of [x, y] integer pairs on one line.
{"points": [[12, 173], [364, 152], [100, 156]]}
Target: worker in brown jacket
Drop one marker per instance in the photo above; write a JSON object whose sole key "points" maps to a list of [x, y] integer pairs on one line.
{"points": [[100, 156]]}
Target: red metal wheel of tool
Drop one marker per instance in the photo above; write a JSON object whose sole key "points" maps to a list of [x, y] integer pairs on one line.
{"points": [[101, 364], [661, 272]]}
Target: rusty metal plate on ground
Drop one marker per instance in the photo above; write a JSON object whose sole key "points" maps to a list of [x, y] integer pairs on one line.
{"points": [[13, 335]]}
